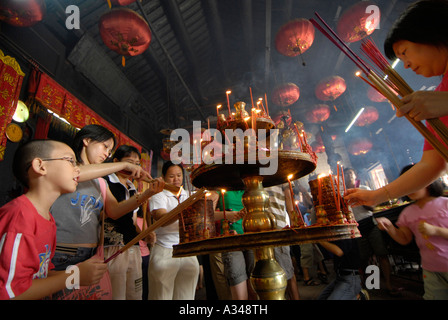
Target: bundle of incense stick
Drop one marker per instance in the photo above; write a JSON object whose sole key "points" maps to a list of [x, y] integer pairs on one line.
{"points": [[199, 194], [167, 186], [395, 81], [388, 88]]}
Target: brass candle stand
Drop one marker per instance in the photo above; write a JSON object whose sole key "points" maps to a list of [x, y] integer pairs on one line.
{"points": [[260, 232]]}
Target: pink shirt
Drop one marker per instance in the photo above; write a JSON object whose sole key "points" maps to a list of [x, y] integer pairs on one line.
{"points": [[434, 212], [443, 86], [143, 245]]}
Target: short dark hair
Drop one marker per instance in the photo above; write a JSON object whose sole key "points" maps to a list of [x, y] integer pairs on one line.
{"points": [[168, 165], [94, 132], [26, 153], [435, 189], [423, 22], [125, 151]]}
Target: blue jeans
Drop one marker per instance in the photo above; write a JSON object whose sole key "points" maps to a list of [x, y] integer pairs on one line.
{"points": [[344, 287], [62, 259]]}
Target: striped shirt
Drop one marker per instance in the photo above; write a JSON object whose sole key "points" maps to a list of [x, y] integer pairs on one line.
{"points": [[277, 204]]}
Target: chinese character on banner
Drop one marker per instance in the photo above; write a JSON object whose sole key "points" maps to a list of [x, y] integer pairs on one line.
{"points": [[11, 78]]}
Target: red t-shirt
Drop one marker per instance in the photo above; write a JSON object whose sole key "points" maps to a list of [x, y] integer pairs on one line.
{"points": [[27, 242], [443, 86]]}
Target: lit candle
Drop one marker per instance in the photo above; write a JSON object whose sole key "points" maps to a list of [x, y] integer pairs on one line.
{"points": [[251, 97], [217, 111], [205, 212], [290, 187], [299, 138], [337, 186], [319, 190], [223, 203], [195, 152], [334, 193], [228, 101], [262, 106], [266, 99]]}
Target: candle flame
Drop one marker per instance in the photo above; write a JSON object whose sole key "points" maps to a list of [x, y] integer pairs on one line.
{"points": [[358, 73], [247, 118], [290, 176], [321, 175], [223, 190], [228, 92], [208, 194], [219, 106]]}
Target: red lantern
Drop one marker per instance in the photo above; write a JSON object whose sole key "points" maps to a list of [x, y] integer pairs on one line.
{"points": [[295, 37], [375, 96], [286, 94], [125, 32], [319, 113], [358, 22], [369, 116], [330, 88], [360, 146], [23, 13]]}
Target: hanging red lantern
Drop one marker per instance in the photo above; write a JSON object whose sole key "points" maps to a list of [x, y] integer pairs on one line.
{"points": [[286, 94], [319, 113], [23, 13], [295, 37], [360, 146], [368, 116], [125, 32], [357, 22], [330, 88], [375, 96]]}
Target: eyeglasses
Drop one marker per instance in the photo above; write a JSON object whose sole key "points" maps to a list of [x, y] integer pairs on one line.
{"points": [[73, 162]]}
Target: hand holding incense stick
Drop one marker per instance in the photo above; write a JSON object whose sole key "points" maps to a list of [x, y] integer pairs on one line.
{"points": [[166, 218]]}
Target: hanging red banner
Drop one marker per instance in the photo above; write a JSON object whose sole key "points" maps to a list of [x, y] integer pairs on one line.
{"points": [[55, 98], [50, 94], [11, 78]]}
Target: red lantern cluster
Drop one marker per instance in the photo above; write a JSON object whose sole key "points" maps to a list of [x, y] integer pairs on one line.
{"points": [[295, 37], [369, 116], [319, 113], [125, 32], [357, 22], [360, 146], [23, 13], [330, 88], [286, 94]]}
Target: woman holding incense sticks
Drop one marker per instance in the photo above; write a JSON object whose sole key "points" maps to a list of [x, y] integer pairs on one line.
{"points": [[126, 269], [77, 214], [420, 39], [170, 278]]}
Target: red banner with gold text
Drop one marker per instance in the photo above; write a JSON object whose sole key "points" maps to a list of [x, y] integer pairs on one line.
{"points": [[11, 78]]}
